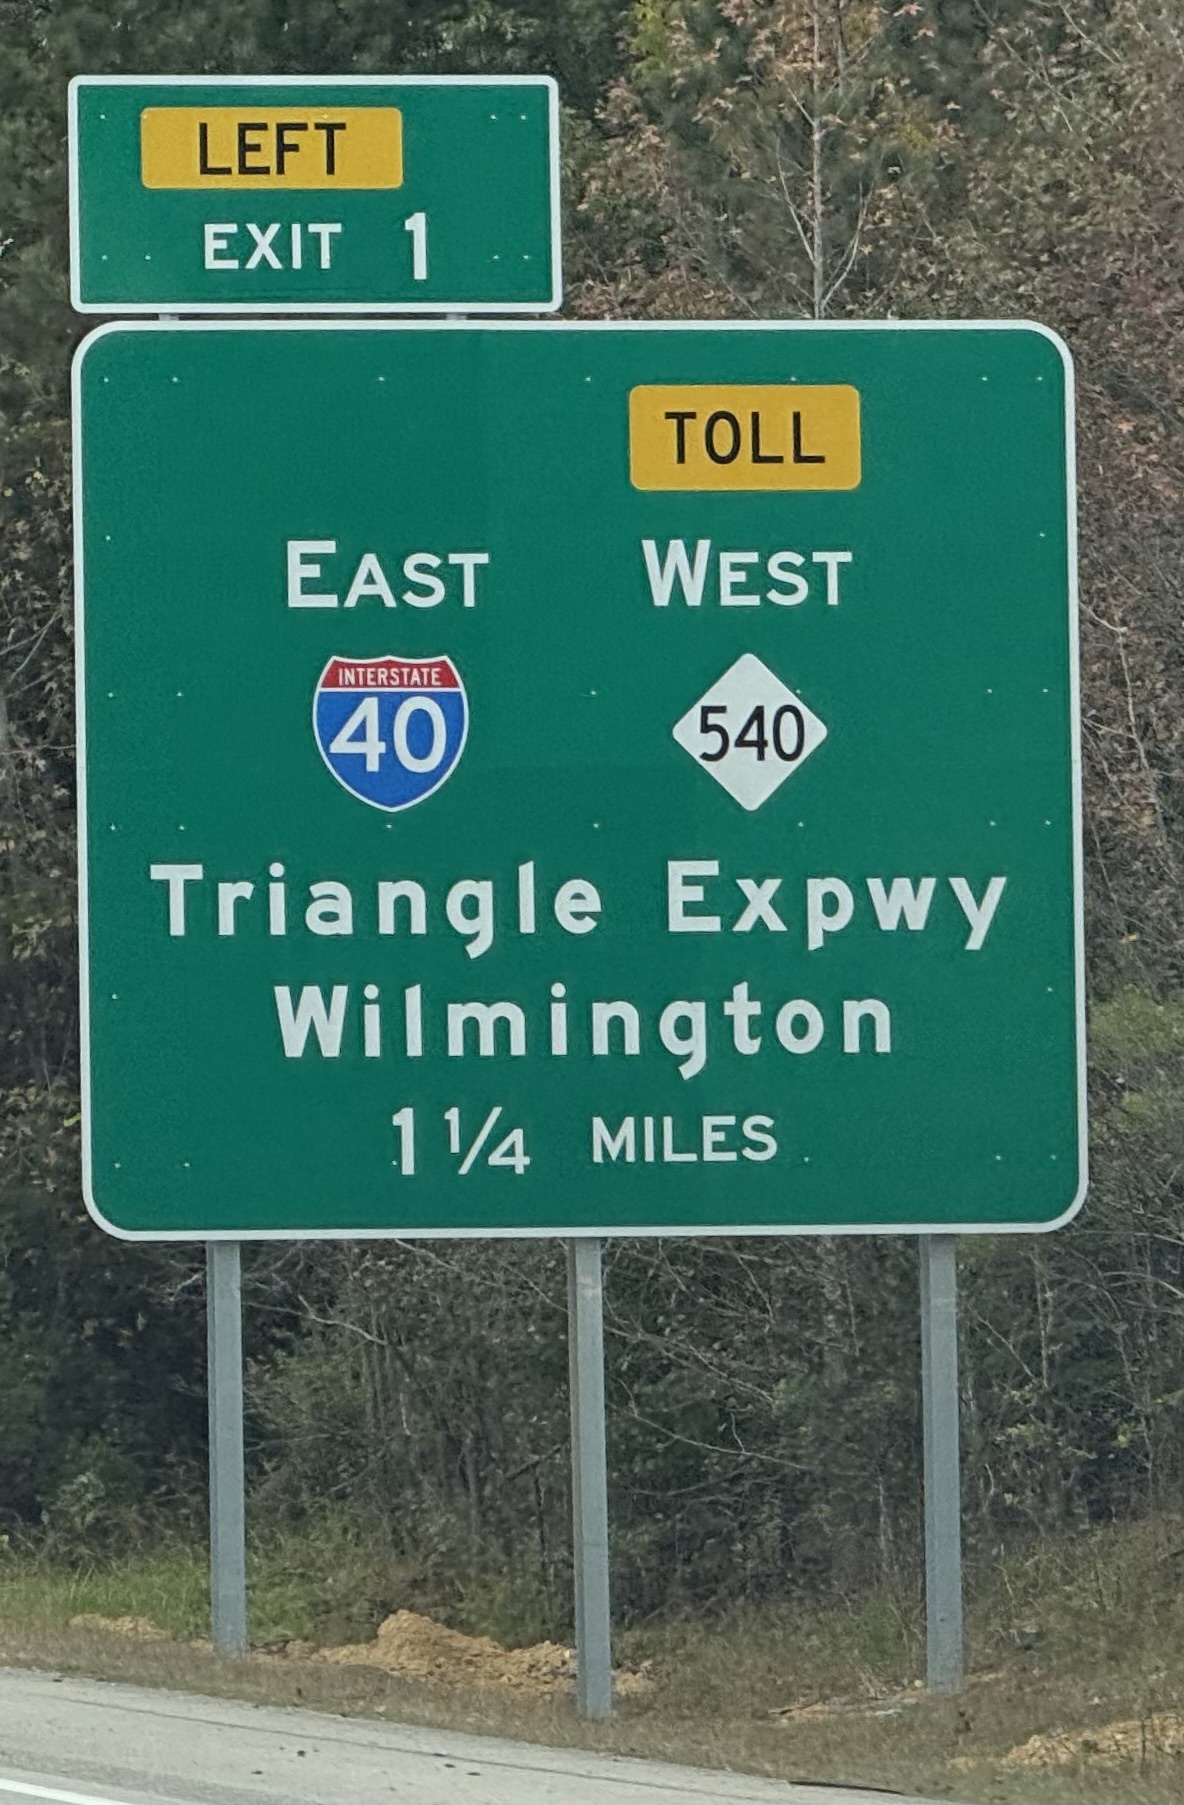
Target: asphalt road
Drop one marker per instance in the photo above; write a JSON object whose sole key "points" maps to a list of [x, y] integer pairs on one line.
{"points": [[85, 1742]]}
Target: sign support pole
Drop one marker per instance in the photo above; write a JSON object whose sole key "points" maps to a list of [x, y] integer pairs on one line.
{"points": [[228, 1540], [943, 1485], [589, 1474], [224, 1392]]}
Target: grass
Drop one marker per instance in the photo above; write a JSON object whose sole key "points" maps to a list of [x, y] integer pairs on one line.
{"points": [[1073, 1634]]}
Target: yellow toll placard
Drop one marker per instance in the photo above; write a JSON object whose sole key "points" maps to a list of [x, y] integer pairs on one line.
{"points": [[271, 147], [744, 436]]}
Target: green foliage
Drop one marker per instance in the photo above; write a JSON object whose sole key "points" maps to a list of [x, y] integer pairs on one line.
{"points": [[1133, 1030]]}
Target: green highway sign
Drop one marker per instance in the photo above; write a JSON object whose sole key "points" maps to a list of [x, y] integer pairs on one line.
{"points": [[306, 194], [561, 779]]}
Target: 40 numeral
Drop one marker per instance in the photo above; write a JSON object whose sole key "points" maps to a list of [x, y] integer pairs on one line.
{"points": [[359, 737]]}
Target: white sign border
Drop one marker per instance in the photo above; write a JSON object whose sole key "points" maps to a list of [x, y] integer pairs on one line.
{"points": [[313, 309], [619, 1230]]}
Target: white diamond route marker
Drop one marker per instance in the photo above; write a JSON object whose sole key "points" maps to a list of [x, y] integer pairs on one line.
{"points": [[750, 731]]}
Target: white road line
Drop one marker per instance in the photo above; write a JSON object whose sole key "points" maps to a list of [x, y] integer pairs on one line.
{"points": [[25, 1790]]}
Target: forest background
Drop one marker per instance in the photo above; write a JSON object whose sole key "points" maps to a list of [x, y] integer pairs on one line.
{"points": [[723, 159]]}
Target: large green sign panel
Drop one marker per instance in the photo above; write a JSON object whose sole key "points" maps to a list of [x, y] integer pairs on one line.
{"points": [[254, 194], [559, 779]]}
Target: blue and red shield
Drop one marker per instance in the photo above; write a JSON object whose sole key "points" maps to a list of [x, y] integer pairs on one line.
{"points": [[391, 730]]}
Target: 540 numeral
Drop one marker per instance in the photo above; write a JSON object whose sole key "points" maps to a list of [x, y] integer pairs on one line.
{"points": [[784, 734]]}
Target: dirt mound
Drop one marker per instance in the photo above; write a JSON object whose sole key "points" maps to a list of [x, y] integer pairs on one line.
{"points": [[1131, 1739], [142, 1628], [417, 1648]]}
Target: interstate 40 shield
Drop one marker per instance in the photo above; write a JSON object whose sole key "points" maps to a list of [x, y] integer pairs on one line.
{"points": [[391, 729]]}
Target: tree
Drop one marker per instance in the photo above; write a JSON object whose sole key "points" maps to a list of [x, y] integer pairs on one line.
{"points": [[772, 137]]}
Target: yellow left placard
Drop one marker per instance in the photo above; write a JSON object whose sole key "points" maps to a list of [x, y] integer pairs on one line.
{"points": [[271, 147]]}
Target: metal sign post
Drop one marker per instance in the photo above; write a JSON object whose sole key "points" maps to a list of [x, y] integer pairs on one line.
{"points": [[943, 1485], [589, 1472], [228, 1539]]}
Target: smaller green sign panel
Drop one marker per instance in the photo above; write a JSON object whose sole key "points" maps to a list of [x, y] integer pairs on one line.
{"points": [[362, 194]]}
